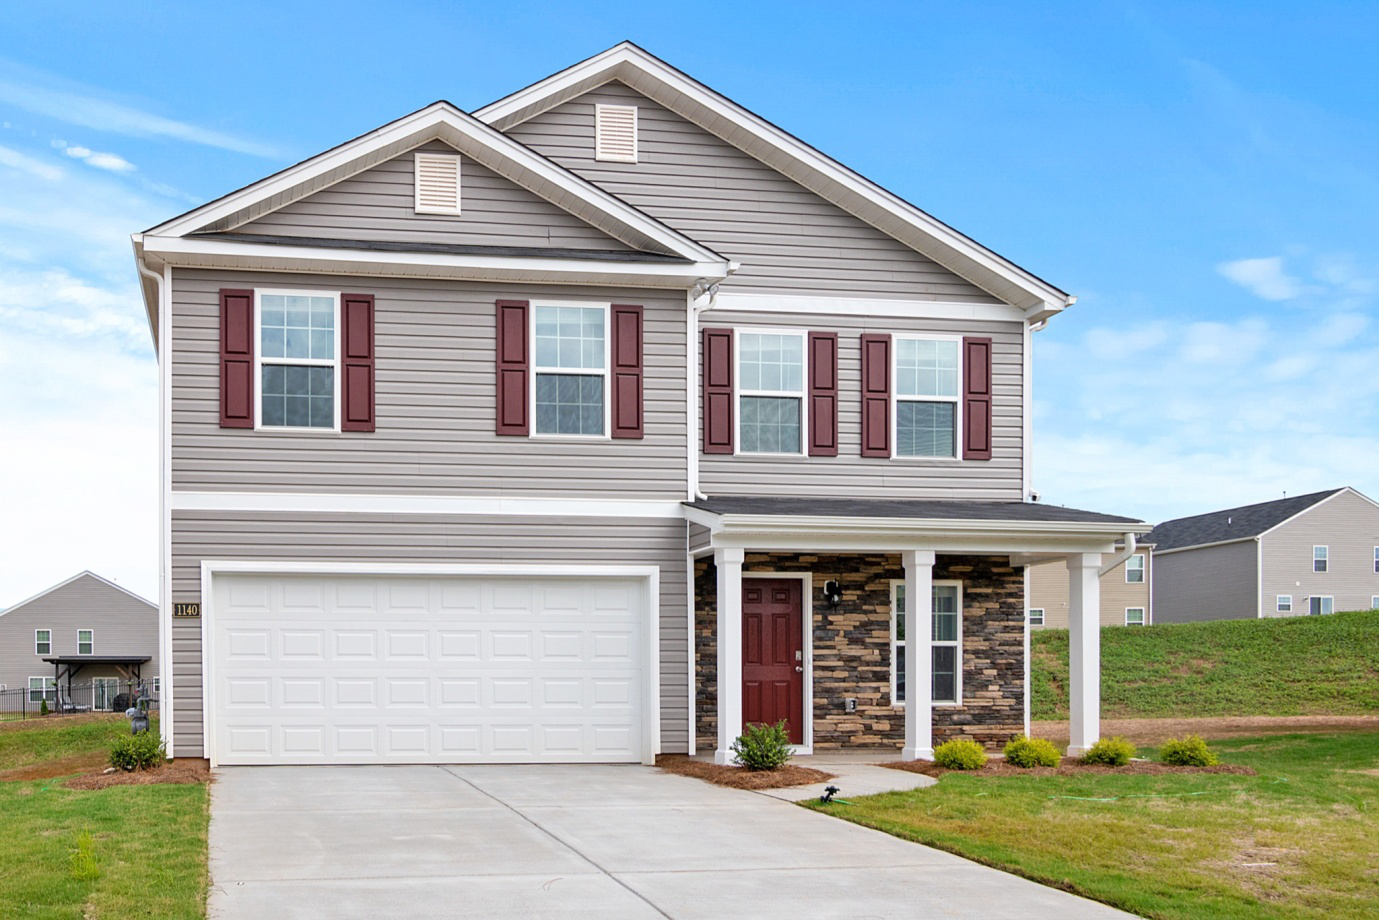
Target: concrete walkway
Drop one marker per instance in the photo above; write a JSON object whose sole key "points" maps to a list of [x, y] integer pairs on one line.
{"points": [[854, 774], [572, 841]]}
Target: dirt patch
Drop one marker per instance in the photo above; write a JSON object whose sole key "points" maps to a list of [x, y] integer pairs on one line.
{"points": [[1157, 731], [739, 778], [63, 766], [182, 771], [1068, 767]]}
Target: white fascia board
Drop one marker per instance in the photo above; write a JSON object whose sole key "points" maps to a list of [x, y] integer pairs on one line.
{"points": [[730, 301], [858, 525], [193, 252], [324, 503]]}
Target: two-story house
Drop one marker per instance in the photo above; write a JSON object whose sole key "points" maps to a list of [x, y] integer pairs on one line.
{"points": [[591, 425]]}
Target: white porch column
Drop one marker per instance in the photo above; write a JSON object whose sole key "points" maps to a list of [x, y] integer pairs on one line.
{"points": [[1084, 651], [919, 627], [729, 633]]}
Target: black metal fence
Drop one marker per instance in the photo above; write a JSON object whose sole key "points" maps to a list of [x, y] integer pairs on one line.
{"points": [[96, 695]]}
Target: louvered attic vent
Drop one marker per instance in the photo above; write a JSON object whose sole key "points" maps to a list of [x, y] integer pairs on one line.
{"points": [[438, 183], [615, 133]]}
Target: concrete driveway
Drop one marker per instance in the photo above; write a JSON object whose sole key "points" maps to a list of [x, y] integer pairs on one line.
{"points": [[572, 841]]}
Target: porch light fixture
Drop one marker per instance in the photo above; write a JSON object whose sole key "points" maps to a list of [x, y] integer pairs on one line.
{"points": [[833, 593]]}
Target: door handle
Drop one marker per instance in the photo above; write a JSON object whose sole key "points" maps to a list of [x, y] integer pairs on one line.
{"points": [[799, 669]]}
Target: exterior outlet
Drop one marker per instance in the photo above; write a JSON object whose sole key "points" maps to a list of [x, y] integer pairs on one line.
{"points": [[850, 704]]}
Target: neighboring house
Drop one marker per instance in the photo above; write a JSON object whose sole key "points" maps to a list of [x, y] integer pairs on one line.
{"points": [[1126, 598], [1313, 554], [500, 437], [83, 631]]}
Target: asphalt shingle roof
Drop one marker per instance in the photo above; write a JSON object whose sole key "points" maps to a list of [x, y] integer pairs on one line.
{"points": [[903, 508], [1232, 523]]}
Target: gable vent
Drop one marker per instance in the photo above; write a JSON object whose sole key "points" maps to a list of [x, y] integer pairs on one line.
{"points": [[615, 133], [438, 183]]}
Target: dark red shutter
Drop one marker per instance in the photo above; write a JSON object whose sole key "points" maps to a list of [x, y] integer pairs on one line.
{"points": [[236, 359], [976, 398], [876, 396], [823, 394], [513, 366], [357, 385], [626, 322], [718, 391]]}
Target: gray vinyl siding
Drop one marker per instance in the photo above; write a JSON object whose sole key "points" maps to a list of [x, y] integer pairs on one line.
{"points": [[786, 237], [435, 402], [998, 479], [379, 204], [699, 537], [1348, 526], [122, 625], [1048, 589], [380, 538], [1211, 583]]}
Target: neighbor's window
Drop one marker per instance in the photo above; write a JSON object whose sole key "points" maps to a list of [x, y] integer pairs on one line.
{"points": [[1036, 616], [1134, 569], [86, 641], [1284, 604], [1134, 616], [1319, 558], [43, 641], [770, 407], [42, 688], [1319, 605], [1376, 560], [571, 370], [946, 642], [926, 397], [1374, 602], [297, 360]]}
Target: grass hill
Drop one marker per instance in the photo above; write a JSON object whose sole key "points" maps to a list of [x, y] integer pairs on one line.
{"points": [[1292, 666]]}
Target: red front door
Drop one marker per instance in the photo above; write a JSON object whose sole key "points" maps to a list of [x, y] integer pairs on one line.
{"points": [[773, 653]]}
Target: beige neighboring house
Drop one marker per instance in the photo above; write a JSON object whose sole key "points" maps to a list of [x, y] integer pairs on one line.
{"points": [[1309, 555], [1126, 597]]}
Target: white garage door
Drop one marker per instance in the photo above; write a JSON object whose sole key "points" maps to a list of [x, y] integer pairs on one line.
{"points": [[456, 669]]}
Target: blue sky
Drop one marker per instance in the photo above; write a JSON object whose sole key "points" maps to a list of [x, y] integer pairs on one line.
{"points": [[1204, 176]]}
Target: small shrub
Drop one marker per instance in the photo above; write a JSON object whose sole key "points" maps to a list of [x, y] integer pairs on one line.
{"points": [[137, 752], [1110, 752], [1031, 752], [762, 747], [960, 754], [84, 868], [1189, 751], [43, 707]]}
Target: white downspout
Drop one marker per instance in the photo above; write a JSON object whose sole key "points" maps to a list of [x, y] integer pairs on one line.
{"points": [[696, 293], [1120, 557]]}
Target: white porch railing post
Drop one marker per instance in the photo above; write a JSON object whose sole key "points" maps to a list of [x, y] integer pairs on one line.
{"points": [[919, 627], [729, 635], [1084, 652]]}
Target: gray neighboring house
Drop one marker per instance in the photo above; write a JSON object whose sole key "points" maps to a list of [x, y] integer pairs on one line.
{"points": [[1312, 554], [502, 437], [85, 630]]}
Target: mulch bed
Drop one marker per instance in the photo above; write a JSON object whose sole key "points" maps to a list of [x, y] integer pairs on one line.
{"points": [[182, 771], [738, 777], [1068, 767]]}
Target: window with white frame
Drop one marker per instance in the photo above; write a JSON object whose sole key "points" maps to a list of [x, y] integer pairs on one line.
{"points": [[1376, 560], [42, 688], [43, 641], [945, 657], [1284, 603], [1319, 558], [1134, 616], [86, 641], [926, 397], [770, 403], [1134, 569], [298, 368], [1374, 602], [571, 370], [1320, 605], [156, 685], [1036, 616]]}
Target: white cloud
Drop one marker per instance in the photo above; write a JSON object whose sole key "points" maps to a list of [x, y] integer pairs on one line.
{"points": [[16, 160], [109, 161], [1264, 278]]}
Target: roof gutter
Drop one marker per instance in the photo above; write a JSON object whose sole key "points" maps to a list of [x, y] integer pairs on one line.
{"points": [[1121, 556]]}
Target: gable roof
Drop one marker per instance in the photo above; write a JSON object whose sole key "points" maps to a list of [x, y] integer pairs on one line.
{"points": [[1233, 524], [62, 584], [821, 174]]}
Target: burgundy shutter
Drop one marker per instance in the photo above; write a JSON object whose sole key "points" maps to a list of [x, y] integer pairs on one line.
{"points": [[513, 366], [236, 359], [626, 322], [876, 396], [976, 398], [718, 391], [823, 394], [357, 386]]}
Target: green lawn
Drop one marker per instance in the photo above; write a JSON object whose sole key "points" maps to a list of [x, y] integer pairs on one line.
{"points": [[148, 843], [1297, 841], [1291, 666]]}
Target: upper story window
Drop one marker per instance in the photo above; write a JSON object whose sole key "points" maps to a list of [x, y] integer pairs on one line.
{"points": [[1134, 569], [770, 408], [926, 397], [43, 641], [86, 641], [298, 336], [571, 370], [1319, 558]]}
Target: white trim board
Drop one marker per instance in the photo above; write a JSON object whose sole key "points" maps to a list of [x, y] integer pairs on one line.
{"points": [[327, 503], [740, 302]]}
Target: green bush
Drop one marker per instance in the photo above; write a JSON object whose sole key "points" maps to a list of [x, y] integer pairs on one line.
{"points": [[137, 752], [1031, 752], [762, 747], [1189, 751], [43, 707], [960, 754], [1110, 752]]}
